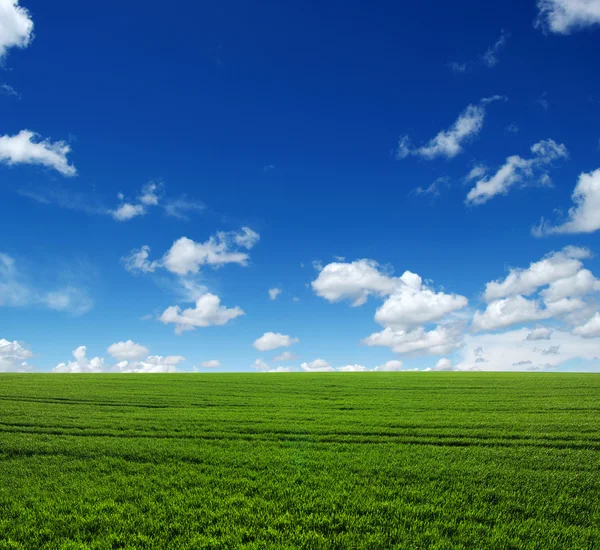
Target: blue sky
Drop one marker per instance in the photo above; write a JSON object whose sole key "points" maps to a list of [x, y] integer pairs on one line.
{"points": [[419, 181]]}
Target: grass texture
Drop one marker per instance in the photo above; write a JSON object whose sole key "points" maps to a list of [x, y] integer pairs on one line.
{"points": [[313, 461]]}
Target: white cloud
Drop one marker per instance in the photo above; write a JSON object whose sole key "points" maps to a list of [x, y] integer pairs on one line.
{"points": [[13, 357], [539, 333], [283, 369], [509, 311], [318, 365], [353, 368], [81, 364], [208, 311], [212, 364], [515, 170], [126, 212], [567, 16], [584, 217], [246, 237], [409, 303], [16, 26], [274, 292], [512, 351], [285, 356], [5, 89], [149, 195], [271, 340], [71, 299], [181, 207], [434, 188], [390, 366], [440, 341], [449, 143], [152, 364], [443, 364], [137, 261], [414, 304], [354, 281], [259, 364], [559, 280], [24, 148], [186, 256], [16, 290], [490, 57], [552, 268], [591, 329], [127, 351]]}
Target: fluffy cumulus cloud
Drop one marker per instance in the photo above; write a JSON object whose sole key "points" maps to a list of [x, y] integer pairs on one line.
{"points": [[567, 16], [353, 368], [16, 26], [272, 340], [589, 329], [259, 364], [26, 148], [274, 292], [211, 364], [13, 357], [318, 365], [151, 365], [127, 351], [550, 269], [414, 304], [409, 306], [441, 340], [518, 170], [443, 364], [449, 143], [513, 351], [131, 362], [354, 281], [390, 366], [539, 333], [559, 283], [81, 364], [18, 290], [127, 211], [137, 261], [207, 312], [186, 257], [584, 217]]}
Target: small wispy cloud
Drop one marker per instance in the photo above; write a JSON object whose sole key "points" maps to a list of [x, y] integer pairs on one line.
{"points": [[433, 190], [19, 288], [488, 59], [151, 195], [449, 143], [542, 101], [7, 90]]}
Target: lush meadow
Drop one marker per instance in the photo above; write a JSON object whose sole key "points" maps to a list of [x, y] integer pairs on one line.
{"points": [[373, 461]]}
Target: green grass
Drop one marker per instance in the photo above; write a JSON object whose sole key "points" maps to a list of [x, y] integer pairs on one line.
{"points": [[373, 461]]}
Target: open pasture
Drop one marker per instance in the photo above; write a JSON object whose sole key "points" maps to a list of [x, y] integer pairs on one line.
{"points": [[319, 461]]}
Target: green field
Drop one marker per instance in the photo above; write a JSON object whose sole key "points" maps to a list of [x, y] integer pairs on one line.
{"points": [[373, 461]]}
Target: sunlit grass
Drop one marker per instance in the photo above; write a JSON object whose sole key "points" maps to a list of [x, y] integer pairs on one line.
{"points": [[374, 461]]}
